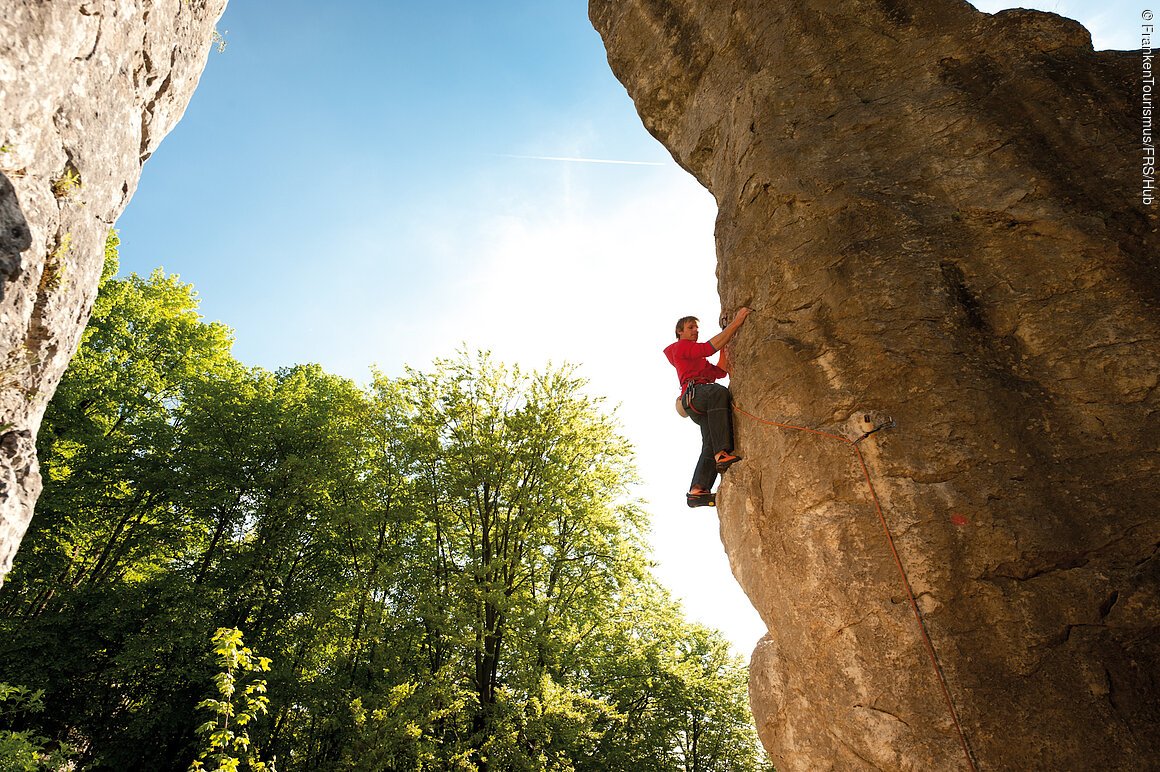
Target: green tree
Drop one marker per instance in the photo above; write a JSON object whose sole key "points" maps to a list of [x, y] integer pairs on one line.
{"points": [[107, 440], [92, 580], [447, 569], [23, 750], [225, 737], [682, 696], [521, 497]]}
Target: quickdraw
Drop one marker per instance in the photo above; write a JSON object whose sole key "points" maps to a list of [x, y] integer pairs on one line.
{"points": [[685, 401]]}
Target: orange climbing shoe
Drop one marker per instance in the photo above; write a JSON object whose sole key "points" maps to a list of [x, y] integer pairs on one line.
{"points": [[701, 499], [725, 459]]}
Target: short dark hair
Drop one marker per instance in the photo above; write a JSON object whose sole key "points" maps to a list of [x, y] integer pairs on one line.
{"points": [[683, 321]]}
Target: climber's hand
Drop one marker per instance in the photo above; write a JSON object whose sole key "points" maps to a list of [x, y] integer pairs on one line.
{"points": [[719, 340]]}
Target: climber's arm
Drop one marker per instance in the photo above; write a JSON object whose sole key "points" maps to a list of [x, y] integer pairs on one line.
{"points": [[723, 360], [719, 340]]}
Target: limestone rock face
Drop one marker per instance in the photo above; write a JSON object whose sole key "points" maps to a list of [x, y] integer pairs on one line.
{"points": [[87, 91], [15, 237], [936, 214]]}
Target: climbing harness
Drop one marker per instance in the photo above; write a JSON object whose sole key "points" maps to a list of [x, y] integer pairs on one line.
{"points": [[685, 402], [923, 633]]}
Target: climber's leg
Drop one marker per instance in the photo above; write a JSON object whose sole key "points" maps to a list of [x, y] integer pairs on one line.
{"points": [[705, 473], [715, 402]]}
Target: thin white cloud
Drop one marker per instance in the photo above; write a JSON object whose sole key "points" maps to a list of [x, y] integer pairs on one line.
{"points": [[572, 159]]}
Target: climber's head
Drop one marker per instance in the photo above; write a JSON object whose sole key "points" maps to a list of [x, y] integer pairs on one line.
{"points": [[687, 328]]}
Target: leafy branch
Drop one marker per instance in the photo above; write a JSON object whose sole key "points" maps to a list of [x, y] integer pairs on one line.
{"points": [[225, 738], [26, 751]]}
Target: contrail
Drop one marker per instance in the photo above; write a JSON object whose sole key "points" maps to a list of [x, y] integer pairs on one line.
{"points": [[582, 160]]}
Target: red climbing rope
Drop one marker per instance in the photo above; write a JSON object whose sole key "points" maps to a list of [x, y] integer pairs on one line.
{"points": [[901, 571]]}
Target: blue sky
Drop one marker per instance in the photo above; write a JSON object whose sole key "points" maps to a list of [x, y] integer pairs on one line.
{"points": [[361, 153], [350, 186]]}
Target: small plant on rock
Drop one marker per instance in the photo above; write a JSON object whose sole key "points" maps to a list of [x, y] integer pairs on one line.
{"points": [[67, 184], [55, 266]]}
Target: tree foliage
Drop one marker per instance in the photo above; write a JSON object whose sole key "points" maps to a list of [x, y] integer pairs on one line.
{"points": [[25, 751], [446, 569], [226, 745]]}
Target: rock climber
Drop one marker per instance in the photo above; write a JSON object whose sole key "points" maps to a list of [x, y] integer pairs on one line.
{"points": [[706, 402]]}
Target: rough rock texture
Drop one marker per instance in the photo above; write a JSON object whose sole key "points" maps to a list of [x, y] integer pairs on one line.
{"points": [[87, 91], [937, 216], [15, 237]]}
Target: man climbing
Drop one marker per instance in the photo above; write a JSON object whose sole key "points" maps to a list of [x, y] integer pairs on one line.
{"points": [[706, 402]]}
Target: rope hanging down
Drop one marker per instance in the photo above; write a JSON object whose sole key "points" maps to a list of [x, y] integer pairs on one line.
{"points": [[897, 562]]}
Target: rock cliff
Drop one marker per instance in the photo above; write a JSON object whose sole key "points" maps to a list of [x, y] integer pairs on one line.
{"points": [[87, 91], [936, 214]]}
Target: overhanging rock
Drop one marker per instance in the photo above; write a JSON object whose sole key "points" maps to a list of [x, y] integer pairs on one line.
{"points": [[87, 91], [937, 216]]}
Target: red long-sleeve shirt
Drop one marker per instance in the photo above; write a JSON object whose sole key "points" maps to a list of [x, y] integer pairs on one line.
{"points": [[691, 360]]}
